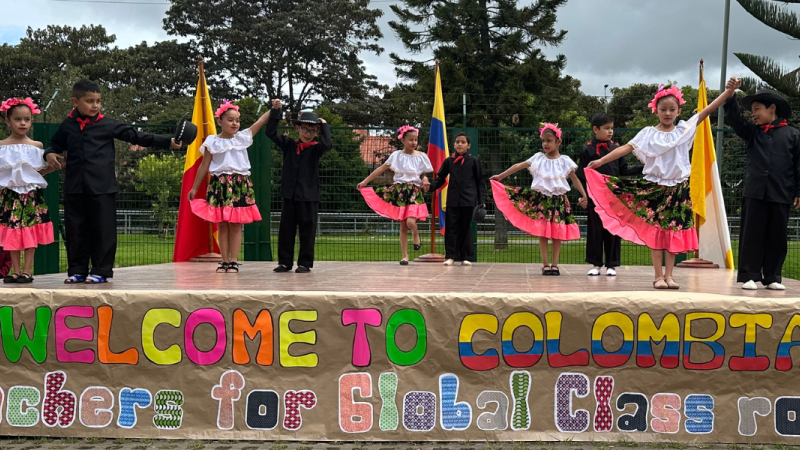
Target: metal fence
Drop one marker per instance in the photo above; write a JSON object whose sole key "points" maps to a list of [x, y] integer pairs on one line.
{"points": [[150, 188]]}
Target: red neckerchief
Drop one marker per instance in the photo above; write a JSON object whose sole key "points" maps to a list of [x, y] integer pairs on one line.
{"points": [[86, 121], [770, 126], [304, 145], [601, 144], [457, 158]]}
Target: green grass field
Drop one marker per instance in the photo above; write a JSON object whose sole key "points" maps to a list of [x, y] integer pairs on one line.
{"points": [[135, 250]]}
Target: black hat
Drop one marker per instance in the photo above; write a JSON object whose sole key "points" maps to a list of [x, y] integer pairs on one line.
{"points": [[479, 213], [307, 117], [185, 133], [782, 108]]}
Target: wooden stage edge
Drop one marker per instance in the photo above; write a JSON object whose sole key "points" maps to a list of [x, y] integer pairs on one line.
{"points": [[420, 278]]}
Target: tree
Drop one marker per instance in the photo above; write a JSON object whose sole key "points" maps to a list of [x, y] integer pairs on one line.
{"points": [[772, 74], [299, 50], [492, 51], [160, 178]]}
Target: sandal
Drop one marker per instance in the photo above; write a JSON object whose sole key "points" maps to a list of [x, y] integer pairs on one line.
{"points": [[11, 278], [223, 267], [672, 284], [25, 278], [74, 279], [95, 279], [403, 262], [663, 284], [233, 267], [547, 270], [554, 271]]}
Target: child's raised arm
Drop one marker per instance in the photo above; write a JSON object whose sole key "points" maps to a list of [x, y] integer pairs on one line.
{"points": [[375, 173], [512, 170], [618, 153]]}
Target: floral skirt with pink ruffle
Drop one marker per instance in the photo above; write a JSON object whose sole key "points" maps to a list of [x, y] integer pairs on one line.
{"points": [[230, 198], [397, 202], [24, 220], [644, 212], [535, 213]]}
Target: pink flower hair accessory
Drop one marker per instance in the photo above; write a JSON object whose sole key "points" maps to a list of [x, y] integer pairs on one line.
{"points": [[552, 127], [226, 105], [12, 102], [666, 92], [405, 128]]}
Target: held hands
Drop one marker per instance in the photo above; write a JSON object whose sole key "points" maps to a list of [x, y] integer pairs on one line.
{"points": [[426, 185], [583, 202], [56, 161], [732, 85], [797, 203], [276, 104]]}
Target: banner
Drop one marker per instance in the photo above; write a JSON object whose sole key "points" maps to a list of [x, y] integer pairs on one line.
{"points": [[399, 367]]}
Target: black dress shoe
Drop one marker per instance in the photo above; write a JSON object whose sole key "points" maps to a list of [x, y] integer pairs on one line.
{"points": [[281, 268], [302, 269], [403, 262]]}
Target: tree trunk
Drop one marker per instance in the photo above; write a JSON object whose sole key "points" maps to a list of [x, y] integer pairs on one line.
{"points": [[497, 165]]}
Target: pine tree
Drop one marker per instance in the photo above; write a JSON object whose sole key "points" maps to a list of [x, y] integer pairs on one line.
{"points": [[772, 74]]}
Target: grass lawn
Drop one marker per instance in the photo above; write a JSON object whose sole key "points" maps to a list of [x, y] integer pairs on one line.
{"points": [[134, 250]]}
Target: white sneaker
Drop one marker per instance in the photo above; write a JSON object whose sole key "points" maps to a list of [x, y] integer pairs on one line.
{"points": [[594, 272], [449, 262], [466, 263], [776, 287], [750, 286], [611, 272]]}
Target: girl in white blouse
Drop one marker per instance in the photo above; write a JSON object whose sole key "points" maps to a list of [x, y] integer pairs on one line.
{"points": [[655, 211], [402, 201], [24, 218], [231, 199], [543, 210]]}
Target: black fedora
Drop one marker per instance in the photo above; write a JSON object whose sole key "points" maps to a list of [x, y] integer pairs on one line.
{"points": [[479, 213], [782, 108], [307, 117], [185, 133]]}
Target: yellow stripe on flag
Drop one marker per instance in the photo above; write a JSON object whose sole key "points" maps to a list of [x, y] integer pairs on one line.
{"points": [[203, 120], [703, 158]]}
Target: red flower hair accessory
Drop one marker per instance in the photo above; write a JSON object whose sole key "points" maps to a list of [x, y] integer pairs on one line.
{"points": [[12, 102], [662, 92], [226, 105]]}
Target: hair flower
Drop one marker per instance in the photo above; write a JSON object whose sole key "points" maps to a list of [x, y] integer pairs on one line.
{"points": [[12, 102], [666, 92], [226, 105]]}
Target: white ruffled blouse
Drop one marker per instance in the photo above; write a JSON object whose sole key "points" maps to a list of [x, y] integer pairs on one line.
{"points": [[666, 155], [550, 175], [409, 168], [19, 168], [229, 156]]}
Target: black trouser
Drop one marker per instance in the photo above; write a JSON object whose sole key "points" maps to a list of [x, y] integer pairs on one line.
{"points": [[91, 225], [599, 240], [297, 214], [762, 240], [458, 233]]}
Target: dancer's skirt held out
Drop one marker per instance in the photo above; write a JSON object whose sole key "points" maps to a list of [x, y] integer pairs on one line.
{"points": [[535, 213], [645, 213], [230, 198], [24, 220], [398, 201]]}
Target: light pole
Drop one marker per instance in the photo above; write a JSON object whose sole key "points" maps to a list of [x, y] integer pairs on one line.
{"points": [[605, 96], [720, 113]]}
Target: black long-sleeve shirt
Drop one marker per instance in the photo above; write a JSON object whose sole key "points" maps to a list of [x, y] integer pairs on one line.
{"points": [[300, 172], [89, 143], [467, 186], [591, 152], [773, 157]]}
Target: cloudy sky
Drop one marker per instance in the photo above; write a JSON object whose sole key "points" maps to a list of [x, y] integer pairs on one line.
{"points": [[614, 42]]}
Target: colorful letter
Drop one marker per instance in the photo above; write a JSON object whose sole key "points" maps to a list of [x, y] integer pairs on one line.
{"points": [[554, 356], [20, 407], [168, 357], [387, 387], [169, 410], [493, 420], [603, 417], [59, 405], [242, 328], [128, 401], [669, 332], [292, 401], [216, 320], [65, 333], [711, 342], [787, 413], [288, 338], [748, 408], [566, 420], [402, 317], [453, 415], [469, 326], [226, 392], [349, 409], [750, 361], [419, 411], [699, 415], [36, 345], [104, 354], [604, 358], [530, 357], [520, 381], [665, 409], [97, 404], [362, 357], [783, 360], [269, 402], [636, 421]]}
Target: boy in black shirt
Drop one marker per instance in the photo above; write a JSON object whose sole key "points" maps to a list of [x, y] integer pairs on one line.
{"points": [[90, 183], [598, 239], [465, 190], [772, 184], [299, 186]]}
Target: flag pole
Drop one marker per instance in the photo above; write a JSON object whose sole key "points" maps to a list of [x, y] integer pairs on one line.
{"points": [[433, 256]]}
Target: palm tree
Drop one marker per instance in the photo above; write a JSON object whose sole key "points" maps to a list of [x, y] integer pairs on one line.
{"points": [[772, 74]]}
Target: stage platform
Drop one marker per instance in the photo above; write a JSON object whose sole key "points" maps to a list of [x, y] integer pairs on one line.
{"points": [[423, 278]]}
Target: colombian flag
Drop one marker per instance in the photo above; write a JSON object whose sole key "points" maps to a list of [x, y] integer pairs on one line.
{"points": [[437, 149], [706, 191], [193, 234]]}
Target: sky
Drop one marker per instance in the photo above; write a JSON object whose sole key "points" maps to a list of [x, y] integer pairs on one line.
{"points": [[613, 42]]}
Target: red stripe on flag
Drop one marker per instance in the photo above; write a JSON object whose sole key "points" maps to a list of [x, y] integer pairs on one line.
{"points": [[191, 235]]}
